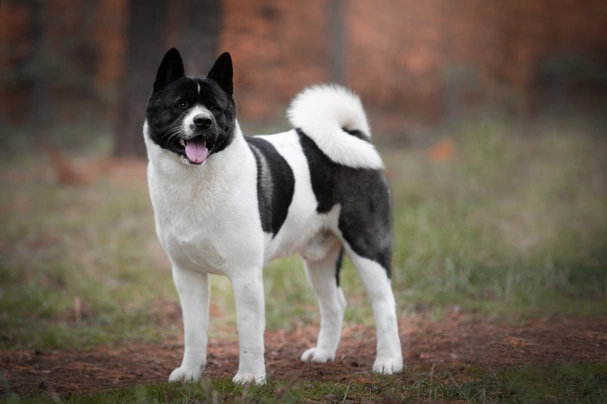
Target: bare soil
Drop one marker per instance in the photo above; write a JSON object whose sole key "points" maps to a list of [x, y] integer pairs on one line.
{"points": [[454, 342]]}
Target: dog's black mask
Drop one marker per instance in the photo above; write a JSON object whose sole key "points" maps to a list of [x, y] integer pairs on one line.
{"points": [[176, 97]]}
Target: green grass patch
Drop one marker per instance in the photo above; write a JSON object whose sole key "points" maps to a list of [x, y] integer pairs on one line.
{"points": [[510, 224], [78, 269], [513, 224]]}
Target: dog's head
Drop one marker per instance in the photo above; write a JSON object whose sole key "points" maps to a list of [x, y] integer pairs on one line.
{"points": [[192, 117]]}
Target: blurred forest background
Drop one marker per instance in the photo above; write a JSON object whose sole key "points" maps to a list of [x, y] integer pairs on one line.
{"points": [[87, 67], [491, 117]]}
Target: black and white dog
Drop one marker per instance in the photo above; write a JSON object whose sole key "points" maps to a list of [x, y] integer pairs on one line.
{"points": [[228, 204]]}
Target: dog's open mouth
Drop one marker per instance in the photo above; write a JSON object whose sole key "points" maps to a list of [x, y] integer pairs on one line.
{"points": [[196, 149]]}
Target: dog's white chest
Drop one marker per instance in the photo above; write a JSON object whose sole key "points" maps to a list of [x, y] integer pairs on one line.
{"points": [[186, 231], [193, 251], [203, 224]]}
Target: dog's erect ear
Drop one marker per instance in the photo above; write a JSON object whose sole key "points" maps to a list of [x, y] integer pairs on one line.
{"points": [[222, 73], [171, 69]]}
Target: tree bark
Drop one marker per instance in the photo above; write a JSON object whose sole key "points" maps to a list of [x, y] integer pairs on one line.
{"points": [[144, 50], [196, 33], [337, 35], [155, 26], [39, 114]]}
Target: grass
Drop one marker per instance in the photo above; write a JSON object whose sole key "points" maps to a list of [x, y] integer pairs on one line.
{"points": [[63, 245], [512, 225], [575, 382]]}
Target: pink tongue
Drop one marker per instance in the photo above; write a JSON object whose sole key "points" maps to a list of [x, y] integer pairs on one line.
{"points": [[196, 151]]}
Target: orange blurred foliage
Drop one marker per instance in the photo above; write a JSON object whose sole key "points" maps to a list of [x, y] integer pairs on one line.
{"points": [[443, 150]]}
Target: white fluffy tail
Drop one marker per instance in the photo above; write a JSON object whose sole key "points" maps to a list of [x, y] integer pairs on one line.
{"points": [[323, 113]]}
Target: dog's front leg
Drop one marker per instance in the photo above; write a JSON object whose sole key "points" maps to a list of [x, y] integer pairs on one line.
{"points": [[250, 316], [194, 294]]}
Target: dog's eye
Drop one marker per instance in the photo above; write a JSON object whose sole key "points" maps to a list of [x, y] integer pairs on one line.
{"points": [[182, 105], [212, 108]]}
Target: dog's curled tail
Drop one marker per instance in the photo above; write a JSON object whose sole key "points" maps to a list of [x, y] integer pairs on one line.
{"points": [[334, 118]]}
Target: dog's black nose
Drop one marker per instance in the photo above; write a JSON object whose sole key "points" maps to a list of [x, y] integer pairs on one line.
{"points": [[202, 121]]}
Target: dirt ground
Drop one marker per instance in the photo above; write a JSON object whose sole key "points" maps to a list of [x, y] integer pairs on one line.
{"points": [[454, 342]]}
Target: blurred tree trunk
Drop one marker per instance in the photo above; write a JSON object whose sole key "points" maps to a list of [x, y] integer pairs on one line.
{"points": [[155, 26], [144, 50], [337, 40], [39, 115], [195, 29]]}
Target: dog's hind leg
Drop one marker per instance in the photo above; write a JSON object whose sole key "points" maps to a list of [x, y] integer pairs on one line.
{"points": [[322, 275], [375, 278]]}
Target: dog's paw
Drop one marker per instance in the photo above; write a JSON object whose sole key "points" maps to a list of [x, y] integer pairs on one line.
{"points": [[317, 355], [388, 366], [244, 378], [182, 374]]}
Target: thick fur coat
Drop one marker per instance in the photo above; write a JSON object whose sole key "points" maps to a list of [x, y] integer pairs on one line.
{"points": [[228, 204]]}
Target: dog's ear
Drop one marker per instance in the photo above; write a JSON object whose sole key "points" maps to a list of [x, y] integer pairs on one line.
{"points": [[222, 73], [171, 69]]}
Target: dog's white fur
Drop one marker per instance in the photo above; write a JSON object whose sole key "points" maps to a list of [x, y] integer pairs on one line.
{"points": [[208, 222], [322, 111]]}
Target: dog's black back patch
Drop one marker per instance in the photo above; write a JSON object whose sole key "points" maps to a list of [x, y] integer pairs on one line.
{"points": [[275, 184], [365, 220]]}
